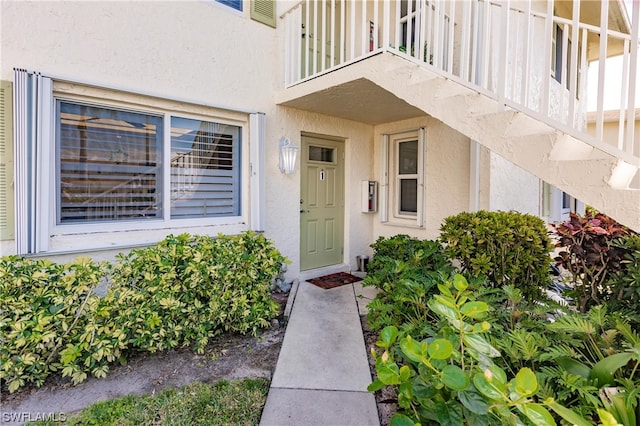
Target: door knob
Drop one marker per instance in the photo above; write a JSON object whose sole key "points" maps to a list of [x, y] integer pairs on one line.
{"points": [[304, 211]]}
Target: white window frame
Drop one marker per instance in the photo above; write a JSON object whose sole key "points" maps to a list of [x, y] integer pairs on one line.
{"points": [[398, 177], [390, 212], [165, 221], [39, 232], [553, 206]]}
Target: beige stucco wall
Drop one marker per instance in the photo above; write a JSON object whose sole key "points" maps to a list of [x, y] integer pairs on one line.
{"points": [[283, 191], [163, 49], [188, 49], [160, 49], [513, 188], [446, 176]]}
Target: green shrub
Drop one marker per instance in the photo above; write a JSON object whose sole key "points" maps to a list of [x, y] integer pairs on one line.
{"points": [[180, 292], [625, 283], [406, 270], [589, 255], [451, 378], [585, 367], [46, 319], [187, 289], [508, 248]]}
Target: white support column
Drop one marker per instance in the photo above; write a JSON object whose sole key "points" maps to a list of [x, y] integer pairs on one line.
{"points": [[364, 30], [524, 96], [604, 28], [343, 18], [386, 24], [585, 65], [332, 35], [257, 134], [464, 40], [451, 28], [307, 39], [548, 41], [429, 29], [485, 52], [633, 70], [573, 71], [565, 48], [408, 36], [623, 95], [297, 55], [315, 38], [376, 24], [384, 179], [504, 44], [474, 176], [474, 45], [437, 34], [352, 29], [421, 29]]}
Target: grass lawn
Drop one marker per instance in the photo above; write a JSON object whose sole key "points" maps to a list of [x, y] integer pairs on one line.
{"points": [[221, 403]]}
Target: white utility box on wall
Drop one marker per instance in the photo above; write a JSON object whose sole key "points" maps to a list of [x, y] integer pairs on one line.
{"points": [[369, 196]]}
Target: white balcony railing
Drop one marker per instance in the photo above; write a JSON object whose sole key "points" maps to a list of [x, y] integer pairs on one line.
{"points": [[517, 52]]}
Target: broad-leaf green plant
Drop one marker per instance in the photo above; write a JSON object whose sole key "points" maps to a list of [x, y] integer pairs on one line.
{"points": [[451, 378], [406, 271]]}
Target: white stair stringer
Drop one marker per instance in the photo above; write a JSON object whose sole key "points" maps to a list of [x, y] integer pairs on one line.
{"points": [[571, 165]]}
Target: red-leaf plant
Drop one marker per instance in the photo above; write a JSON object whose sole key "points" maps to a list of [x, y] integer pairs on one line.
{"points": [[588, 256]]}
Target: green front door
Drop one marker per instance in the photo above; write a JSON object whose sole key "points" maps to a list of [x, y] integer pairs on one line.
{"points": [[321, 202]]}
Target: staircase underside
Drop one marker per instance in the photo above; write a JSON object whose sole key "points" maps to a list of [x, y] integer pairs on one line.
{"points": [[386, 88]]}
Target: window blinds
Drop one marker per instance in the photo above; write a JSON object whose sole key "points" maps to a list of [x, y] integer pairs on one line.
{"points": [[109, 164], [205, 169]]}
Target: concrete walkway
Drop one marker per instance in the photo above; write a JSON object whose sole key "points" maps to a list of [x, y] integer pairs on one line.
{"points": [[322, 373]]}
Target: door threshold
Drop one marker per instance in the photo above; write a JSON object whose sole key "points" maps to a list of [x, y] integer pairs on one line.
{"points": [[325, 270]]}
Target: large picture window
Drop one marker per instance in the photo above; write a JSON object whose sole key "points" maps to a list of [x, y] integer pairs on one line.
{"points": [[102, 168], [111, 165]]}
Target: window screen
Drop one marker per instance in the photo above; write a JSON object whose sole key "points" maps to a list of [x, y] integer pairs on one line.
{"points": [[109, 164], [408, 177], [205, 174]]}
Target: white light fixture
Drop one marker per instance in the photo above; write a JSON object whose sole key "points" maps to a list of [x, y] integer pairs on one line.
{"points": [[288, 155]]}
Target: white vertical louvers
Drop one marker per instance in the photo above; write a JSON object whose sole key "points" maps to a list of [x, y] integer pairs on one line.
{"points": [[33, 109]]}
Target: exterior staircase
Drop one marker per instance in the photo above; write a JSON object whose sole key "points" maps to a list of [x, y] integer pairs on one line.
{"points": [[558, 151]]}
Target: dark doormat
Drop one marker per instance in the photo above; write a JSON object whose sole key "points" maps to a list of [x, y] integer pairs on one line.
{"points": [[334, 280]]}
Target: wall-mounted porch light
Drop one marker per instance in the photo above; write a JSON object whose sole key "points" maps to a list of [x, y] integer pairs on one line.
{"points": [[288, 155]]}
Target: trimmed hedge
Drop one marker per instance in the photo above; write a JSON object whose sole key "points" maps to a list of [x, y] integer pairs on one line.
{"points": [[508, 248], [181, 292]]}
